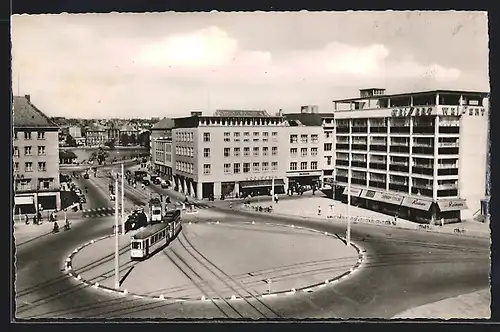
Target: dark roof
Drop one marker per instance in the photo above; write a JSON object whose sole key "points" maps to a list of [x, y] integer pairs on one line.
{"points": [[27, 115], [165, 123], [482, 93], [306, 119], [240, 113], [67, 154]]}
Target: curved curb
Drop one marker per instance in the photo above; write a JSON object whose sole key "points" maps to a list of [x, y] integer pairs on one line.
{"points": [[68, 268]]}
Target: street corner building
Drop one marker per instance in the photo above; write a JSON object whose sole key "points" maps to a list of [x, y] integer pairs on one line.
{"points": [[418, 155], [35, 158]]}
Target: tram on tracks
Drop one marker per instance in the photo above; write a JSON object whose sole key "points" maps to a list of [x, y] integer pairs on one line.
{"points": [[155, 236]]}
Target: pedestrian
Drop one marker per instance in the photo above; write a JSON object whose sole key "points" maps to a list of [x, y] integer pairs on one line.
{"points": [[134, 184], [319, 210], [80, 205], [26, 219], [442, 222], [276, 198]]}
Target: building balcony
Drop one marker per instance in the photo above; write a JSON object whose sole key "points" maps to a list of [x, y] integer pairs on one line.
{"points": [[359, 147], [378, 165], [341, 178], [358, 181], [422, 186], [381, 148], [378, 142], [421, 191], [399, 168], [377, 184], [378, 129], [342, 146], [449, 130], [34, 188], [400, 130], [448, 144], [401, 187], [448, 151], [423, 150], [359, 129], [447, 193], [422, 170], [423, 145], [342, 162], [447, 186], [423, 130], [399, 149], [357, 163], [447, 166], [343, 130]]}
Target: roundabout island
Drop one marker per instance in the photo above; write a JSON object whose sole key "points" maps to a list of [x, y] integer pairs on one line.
{"points": [[212, 261]]}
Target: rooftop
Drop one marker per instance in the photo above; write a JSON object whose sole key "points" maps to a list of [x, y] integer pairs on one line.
{"points": [[165, 123], [240, 113], [385, 96], [306, 119], [27, 115]]}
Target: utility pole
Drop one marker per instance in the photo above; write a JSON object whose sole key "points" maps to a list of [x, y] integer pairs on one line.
{"points": [[123, 198], [117, 259], [348, 232], [272, 191]]}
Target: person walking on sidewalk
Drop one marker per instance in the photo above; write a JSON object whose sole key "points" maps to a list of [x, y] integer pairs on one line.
{"points": [[26, 219], [319, 210], [276, 198]]}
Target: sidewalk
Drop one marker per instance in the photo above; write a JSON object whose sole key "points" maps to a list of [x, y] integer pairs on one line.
{"points": [[317, 207], [26, 233], [467, 306]]}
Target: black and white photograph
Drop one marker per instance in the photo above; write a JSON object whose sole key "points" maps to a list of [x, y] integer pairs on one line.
{"points": [[251, 165]]}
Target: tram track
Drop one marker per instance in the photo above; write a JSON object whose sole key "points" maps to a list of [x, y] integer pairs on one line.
{"points": [[200, 282], [224, 274]]}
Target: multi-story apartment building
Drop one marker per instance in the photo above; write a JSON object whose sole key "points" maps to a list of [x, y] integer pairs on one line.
{"points": [[420, 155], [75, 132], [230, 153], [96, 135], [36, 159], [162, 156], [306, 155]]}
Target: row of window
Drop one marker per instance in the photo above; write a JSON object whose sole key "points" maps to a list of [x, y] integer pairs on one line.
{"points": [[25, 184], [28, 166], [304, 138], [236, 168], [246, 136], [185, 167], [28, 151], [184, 151], [303, 165], [303, 152], [246, 151], [28, 135], [184, 137]]}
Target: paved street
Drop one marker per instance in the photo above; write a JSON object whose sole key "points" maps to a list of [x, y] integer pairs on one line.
{"points": [[405, 269]]}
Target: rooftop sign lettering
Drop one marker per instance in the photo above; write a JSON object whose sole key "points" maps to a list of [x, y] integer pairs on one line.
{"points": [[412, 111]]}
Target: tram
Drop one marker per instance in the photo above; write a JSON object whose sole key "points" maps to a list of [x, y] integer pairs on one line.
{"points": [[155, 237]]}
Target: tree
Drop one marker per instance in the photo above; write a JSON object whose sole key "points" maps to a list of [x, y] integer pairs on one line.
{"points": [[132, 139], [144, 138], [100, 155], [70, 141], [124, 139], [110, 144]]}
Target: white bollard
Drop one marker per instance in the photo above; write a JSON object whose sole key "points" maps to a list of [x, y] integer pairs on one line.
{"points": [[96, 285], [79, 277], [233, 297], [162, 297], [253, 222], [293, 290], [326, 233], [125, 292], [217, 222], [327, 281], [203, 297]]}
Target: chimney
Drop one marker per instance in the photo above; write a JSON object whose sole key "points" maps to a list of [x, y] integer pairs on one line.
{"points": [[28, 98], [280, 112], [196, 113]]}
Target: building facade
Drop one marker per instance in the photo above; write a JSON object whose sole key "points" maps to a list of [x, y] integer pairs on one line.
{"points": [[161, 152], [420, 155], [75, 132], [96, 135], [36, 159], [232, 153]]}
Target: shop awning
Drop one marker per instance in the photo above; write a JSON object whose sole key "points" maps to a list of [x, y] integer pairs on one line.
{"points": [[452, 205], [261, 183], [355, 192], [380, 196], [24, 200], [368, 194], [417, 203]]}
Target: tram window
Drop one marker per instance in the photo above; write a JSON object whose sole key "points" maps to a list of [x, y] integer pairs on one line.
{"points": [[136, 245]]}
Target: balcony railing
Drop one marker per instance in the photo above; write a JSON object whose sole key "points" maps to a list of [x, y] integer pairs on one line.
{"points": [[375, 129], [343, 130], [342, 162], [377, 184], [400, 130], [449, 130], [381, 148], [422, 186], [397, 143], [448, 144], [378, 165], [424, 130], [447, 186], [423, 145], [356, 163], [381, 142], [445, 166], [429, 166], [401, 163], [342, 146]]}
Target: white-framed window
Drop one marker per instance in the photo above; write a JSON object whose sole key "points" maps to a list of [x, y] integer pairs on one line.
{"points": [[329, 160], [328, 146], [206, 152], [303, 139], [27, 150], [42, 166], [206, 137], [303, 165], [227, 152], [246, 167], [293, 152], [314, 165], [274, 166], [303, 152], [16, 152], [227, 168], [256, 167], [293, 166], [265, 134], [16, 166], [246, 151], [265, 151], [274, 150], [256, 151], [256, 133], [265, 166], [207, 169], [328, 134], [236, 168], [314, 151], [246, 133], [236, 152], [227, 134], [293, 138], [28, 166], [314, 138], [236, 134], [27, 135]]}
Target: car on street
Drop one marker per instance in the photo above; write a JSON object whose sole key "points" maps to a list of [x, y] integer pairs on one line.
{"points": [[136, 220], [86, 175], [145, 182], [164, 184], [112, 197], [156, 180], [82, 198]]}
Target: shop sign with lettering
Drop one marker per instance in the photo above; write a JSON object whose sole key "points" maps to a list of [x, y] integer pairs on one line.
{"points": [[452, 205], [411, 111], [417, 203], [257, 178], [465, 110], [354, 191], [389, 198]]}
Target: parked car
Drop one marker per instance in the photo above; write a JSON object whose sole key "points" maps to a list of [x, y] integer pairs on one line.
{"points": [[164, 184], [82, 198], [156, 180], [86, 175]]}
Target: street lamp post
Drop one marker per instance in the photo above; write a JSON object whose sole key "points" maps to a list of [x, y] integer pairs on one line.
{"points": [[348, 232], [117, 263], [123, 198]]}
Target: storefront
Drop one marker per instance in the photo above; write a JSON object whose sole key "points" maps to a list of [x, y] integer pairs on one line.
{"points": [[304, 179], [24, 204], [417, 209], [260, 187], [449, 210], [355, 192], [384, 202]]}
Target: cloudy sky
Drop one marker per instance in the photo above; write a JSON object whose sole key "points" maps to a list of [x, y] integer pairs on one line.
{"points": [[166, 64]]}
